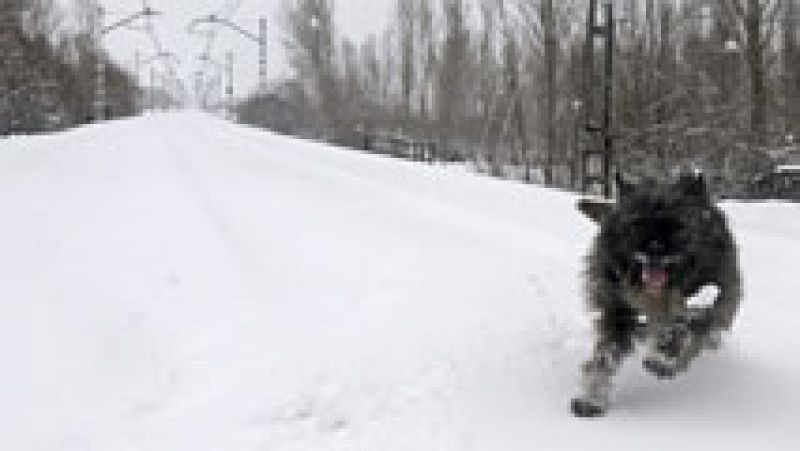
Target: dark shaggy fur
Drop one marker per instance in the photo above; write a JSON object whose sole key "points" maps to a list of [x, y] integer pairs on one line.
{"points": [[658, 246]]}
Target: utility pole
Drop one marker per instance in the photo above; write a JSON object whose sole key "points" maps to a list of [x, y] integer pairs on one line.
{"points": [[262, 55], [100, 65], [148, 99], [198, 88], [599, 128], [260, 39], [218, 80], [137, 67], [98, 31], [153, 96], [576, 156], [608, 90], [229, 87]]}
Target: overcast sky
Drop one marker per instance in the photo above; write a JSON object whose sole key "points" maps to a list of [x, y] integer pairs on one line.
{"points": [[355, 18]]}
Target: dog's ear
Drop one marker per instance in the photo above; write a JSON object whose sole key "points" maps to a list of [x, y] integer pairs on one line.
{"points": [[693, 185], [595, 209], [624, 187]]}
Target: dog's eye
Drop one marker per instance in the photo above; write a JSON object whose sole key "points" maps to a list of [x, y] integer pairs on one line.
{"points": [[671, 259], [640, 258], [667, 260]]}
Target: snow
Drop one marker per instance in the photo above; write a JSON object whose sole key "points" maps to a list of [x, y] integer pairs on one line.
{"points": [[176, 282], [705, 298], [788, 168]]}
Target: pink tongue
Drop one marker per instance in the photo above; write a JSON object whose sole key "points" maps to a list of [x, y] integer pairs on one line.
{"points": [[654, 280]]}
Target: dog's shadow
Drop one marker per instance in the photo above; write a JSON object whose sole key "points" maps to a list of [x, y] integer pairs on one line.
{"points": [[718, 382]]}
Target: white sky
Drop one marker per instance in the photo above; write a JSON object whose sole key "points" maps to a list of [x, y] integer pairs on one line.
{"points": [[355, 18]]}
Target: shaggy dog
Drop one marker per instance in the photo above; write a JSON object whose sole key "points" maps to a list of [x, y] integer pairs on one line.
{"points": [[660, 247]]}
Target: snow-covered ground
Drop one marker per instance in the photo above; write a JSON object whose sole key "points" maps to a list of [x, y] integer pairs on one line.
{"points": [[177, 282]]}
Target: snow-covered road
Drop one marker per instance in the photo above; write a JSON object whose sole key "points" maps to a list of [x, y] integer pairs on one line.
{"points": [[176, 282]]}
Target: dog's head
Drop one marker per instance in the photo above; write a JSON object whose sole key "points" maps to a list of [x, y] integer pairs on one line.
{"points": [[646, 234]]}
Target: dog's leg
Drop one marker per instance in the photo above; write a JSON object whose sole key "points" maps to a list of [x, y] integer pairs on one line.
{"points": [[598, 373], [705, 335], [617, 330], [670, 348], [721, 315], [675, 346], [706, 325]]}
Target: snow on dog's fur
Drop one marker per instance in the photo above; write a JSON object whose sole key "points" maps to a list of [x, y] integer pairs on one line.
{"points": [[659, 246]]}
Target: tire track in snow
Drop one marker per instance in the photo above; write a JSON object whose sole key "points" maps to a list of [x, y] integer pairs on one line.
{"points": [[194, 188]]}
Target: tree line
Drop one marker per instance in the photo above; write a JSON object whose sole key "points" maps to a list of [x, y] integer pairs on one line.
{"points": [[503, 83], [48, 71]]}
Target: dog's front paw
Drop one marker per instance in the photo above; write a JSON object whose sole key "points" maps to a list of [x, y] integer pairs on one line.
{"points": [[584, 408], [661, 368], [672, 341], [712, 341]]}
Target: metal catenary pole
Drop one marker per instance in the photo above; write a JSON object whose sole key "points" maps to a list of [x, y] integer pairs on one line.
{"points": [[260, 39], [136, 76], [608, 86], [229, 86], [262, 54], [599, 130], [100, 67], [153, 96], [588, 92], [98, 31]]}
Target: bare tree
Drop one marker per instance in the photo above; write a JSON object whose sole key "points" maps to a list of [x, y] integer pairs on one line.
{"points": [[791, 66], [453, 91], [548, 21], [755, 23], [43, 71], [507, 83], [406, 23], [309, 41], [426, 57]]}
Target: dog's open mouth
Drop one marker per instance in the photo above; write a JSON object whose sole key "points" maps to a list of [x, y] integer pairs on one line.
{"points": [[654, 280]]}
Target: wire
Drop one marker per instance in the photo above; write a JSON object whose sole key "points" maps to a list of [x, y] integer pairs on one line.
{"points": [[227, 10], [159, 49]]}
